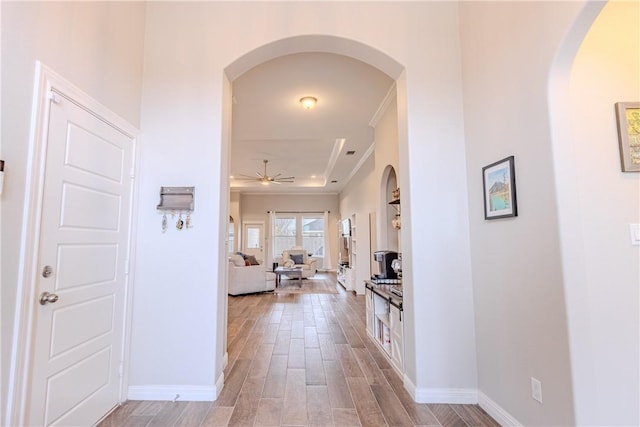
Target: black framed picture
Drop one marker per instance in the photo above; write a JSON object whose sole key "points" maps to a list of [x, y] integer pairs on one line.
{"points": [[499, 185]]}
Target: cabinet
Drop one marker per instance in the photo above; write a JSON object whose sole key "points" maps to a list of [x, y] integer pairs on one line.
{"points": [[384, 322], [368, 298], [395, 325]]}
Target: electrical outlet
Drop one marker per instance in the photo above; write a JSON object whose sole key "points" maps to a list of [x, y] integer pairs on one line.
{"points": [[536, 389]]}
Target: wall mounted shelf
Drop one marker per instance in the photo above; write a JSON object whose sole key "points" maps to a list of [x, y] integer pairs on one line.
{"points": [[177, 199]]}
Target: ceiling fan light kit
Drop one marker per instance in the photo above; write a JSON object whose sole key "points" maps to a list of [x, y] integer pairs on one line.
{"points": [[265, 179]]}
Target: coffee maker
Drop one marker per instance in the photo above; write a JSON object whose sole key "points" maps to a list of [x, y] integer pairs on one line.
{"points": [[385, 259]]}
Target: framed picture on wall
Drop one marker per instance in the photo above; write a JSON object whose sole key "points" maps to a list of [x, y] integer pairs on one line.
{"points": [[499, 184], [628, 118]]}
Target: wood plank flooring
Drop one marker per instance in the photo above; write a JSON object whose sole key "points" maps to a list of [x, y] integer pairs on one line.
{"points": [[302, 360]]}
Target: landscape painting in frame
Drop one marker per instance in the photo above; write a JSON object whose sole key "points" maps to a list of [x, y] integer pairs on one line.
{"points": [[499, 183], [628, 118]]}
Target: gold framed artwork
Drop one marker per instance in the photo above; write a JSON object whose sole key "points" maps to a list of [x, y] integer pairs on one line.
{"points": [[628, 119]]}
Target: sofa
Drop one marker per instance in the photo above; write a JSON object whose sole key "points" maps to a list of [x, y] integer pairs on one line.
{"points": [[298, 257], [247, 279]]}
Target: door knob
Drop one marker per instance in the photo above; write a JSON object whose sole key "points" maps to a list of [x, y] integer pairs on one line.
{"points": [[46, 297]]}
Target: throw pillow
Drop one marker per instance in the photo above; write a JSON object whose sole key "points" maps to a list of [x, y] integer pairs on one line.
{"points": [[297, 259], [288, 263], [252, 260], [247, 263], [237, 260]]}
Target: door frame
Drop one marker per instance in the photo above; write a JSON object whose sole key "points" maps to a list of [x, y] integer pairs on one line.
{"points": [[48, 86]]}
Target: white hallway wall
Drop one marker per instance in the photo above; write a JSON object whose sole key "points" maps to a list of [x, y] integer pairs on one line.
{"points": [[362, 195], [603, 275], [187, 47], [567, 254], [519, 303], [96, 45]]}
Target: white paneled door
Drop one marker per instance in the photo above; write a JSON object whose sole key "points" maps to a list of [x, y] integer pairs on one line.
{"points": [[83, 251], [254, 240]]}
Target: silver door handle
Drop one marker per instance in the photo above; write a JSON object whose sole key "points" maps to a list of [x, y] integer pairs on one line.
{"points": [[46, 297]]}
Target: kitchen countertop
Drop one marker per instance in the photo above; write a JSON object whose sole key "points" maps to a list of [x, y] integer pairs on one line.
{"points": [[385, 292]]}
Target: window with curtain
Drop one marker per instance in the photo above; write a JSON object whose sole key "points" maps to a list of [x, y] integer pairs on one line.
{"points": [[231, 235], [284, 234], [313, 234], [306, 230]]}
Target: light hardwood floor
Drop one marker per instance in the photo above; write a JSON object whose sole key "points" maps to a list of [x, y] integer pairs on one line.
{"points": [[302, 360]]}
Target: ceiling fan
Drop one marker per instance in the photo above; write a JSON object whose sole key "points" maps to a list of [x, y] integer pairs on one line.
{"points": [[265, 179]]}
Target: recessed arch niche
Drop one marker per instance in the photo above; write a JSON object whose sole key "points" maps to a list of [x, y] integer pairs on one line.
{"points": [[389, 236]]}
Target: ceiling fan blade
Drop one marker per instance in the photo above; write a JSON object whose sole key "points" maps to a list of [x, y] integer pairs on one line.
{"points": [[266, 179], [245, 177]]}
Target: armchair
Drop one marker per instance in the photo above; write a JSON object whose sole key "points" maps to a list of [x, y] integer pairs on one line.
{"points": [[246, 279], [298, 257]]}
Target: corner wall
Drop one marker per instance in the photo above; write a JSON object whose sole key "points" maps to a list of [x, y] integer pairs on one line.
{"points": [[508, 49]]}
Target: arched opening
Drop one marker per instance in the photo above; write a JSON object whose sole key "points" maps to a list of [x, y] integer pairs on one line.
{"points": [[594, 69], [300, 44]]}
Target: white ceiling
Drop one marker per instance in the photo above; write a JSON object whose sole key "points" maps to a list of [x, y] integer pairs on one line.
{"points": [[269, 123]]}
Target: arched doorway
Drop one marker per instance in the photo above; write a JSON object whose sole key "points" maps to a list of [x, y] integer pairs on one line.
{"points": [[302, 44], [596, 67]]}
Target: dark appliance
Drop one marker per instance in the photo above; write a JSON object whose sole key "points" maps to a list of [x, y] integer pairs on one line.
{"points": [[384, 259]]}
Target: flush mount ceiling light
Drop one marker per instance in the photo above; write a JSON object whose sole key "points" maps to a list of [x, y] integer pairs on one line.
{"points": [[308, 102]]}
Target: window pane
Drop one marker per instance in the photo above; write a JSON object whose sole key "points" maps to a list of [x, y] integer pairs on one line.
{"points": [[313, 235], [253, 238], [284, 234]]}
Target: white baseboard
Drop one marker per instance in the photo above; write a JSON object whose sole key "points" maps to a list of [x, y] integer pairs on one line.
{"points": [[461, 396], [467, 396], [501, 416], [173, 392], [219, 384]]}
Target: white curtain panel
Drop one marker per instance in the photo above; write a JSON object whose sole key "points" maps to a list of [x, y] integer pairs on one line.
{"points": [[326, 264], [271, 257]]}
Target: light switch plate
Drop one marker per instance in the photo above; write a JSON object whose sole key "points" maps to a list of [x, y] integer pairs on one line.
{"points": [[634, 232]]}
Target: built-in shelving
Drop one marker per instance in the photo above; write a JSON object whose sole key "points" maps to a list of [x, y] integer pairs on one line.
{"points": [[384, 322], [396, 205], [353, 275]]}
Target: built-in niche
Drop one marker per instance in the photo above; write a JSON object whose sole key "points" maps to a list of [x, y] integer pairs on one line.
{"points": [[390, 212]]}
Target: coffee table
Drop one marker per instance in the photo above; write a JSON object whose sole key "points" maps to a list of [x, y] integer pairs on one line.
{"points": [[279, 271]]}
